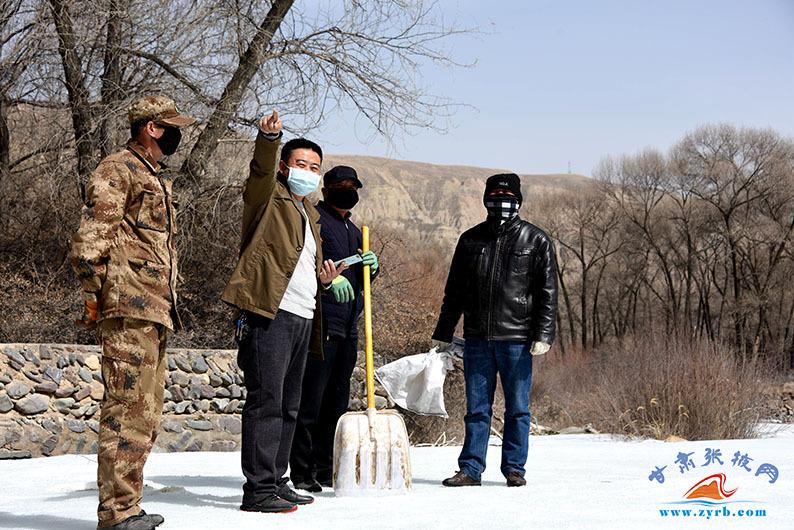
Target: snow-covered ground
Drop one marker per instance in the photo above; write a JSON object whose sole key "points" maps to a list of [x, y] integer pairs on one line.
{"points": [[574, 481]]}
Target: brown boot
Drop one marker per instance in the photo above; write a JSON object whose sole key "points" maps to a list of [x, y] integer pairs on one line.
{"points": [[460, 479], [514, 479]]}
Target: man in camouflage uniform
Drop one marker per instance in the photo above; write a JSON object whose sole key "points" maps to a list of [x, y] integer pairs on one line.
{"points": [[125, 257]]}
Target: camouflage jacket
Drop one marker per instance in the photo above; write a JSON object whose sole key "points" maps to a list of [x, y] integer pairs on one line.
{"points": [[124, 250]]}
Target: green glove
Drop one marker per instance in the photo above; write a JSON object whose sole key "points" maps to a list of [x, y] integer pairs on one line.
{"points": [[369, 258], [342, 290]]}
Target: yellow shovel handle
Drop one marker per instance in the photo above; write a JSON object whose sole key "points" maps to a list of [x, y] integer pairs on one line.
{"points": [[368, 324]]}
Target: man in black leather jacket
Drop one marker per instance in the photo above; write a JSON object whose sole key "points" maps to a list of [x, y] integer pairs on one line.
{"points": [[503, 280]]}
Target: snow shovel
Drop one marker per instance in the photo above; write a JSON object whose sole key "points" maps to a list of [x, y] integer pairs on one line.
{"points": [[371, 449]]}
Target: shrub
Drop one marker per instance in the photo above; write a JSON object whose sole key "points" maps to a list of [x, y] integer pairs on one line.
{"points": [[657, 386]]}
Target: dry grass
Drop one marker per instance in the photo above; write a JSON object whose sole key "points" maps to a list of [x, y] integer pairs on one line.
{"points": [[557, 381], [654, 386]]}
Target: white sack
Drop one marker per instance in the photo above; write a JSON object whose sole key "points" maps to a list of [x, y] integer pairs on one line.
{"points": [[416, 382]]}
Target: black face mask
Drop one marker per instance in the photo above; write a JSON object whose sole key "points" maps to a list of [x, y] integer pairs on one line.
{"points": [[344, 199], [169, 141]]}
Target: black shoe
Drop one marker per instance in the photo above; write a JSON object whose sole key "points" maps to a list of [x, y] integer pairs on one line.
{"points": [[460, 479], [142, 521], [311, 485], [270, 504], [514, 479], [290, 495], [153, 518]]}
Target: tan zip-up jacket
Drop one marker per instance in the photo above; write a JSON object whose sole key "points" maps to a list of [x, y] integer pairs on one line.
{"points": [[273, 237]]}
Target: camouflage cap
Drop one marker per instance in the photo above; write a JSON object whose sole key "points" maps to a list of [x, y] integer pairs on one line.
{"points": [[159, 109]]}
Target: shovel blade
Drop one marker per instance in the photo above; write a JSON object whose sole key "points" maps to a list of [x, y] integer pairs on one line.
{"points": [[371, 455]]}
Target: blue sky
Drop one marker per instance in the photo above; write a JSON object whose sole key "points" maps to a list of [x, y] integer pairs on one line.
{"points": [[573, 80]]}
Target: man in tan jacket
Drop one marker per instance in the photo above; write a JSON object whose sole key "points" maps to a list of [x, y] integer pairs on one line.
{"points": [[277, 284], [125, 257]]}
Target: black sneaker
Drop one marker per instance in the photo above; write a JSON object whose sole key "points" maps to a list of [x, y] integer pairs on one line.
{"points": [[290, 495], [142, 521], [514, 479], [270, 504], [311, 485]]}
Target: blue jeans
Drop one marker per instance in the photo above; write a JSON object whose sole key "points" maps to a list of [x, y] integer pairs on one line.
{"points": [[482, 360]]}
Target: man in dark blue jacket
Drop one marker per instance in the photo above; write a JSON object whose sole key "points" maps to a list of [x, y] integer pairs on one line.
{"points": [[326, 382]]}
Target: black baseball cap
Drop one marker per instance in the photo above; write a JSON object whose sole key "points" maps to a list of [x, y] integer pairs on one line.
{"points": [[505, 181], [340, 173]]}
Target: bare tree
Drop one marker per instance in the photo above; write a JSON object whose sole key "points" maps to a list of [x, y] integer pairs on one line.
{"points": [[702, 238], [587, 236], [362, 54], [79, 97], [17, 23], [212, 55], [112, 76], [229, 101], [639, 187], [733, 171], [550, 213]]}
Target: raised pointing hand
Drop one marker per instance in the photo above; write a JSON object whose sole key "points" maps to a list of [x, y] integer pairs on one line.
{"points": [[270, 124]]}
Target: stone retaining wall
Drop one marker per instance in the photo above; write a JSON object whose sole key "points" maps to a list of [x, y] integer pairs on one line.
{"points": [[50, 396]]}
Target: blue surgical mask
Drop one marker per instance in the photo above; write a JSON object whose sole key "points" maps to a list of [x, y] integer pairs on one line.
{"points": [[302, 182]]}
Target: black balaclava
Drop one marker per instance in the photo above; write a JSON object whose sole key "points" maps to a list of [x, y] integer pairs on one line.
{"points": [[169, 141]]}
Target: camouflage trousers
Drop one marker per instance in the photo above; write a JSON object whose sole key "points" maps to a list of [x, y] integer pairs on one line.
{"points": [[133, 369]]}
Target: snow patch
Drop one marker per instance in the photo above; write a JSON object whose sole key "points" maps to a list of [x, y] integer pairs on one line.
{"points": [[573, 482]]}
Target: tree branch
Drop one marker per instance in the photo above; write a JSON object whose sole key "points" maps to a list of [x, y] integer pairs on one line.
{"points": [[250, 62], [194, 88]]}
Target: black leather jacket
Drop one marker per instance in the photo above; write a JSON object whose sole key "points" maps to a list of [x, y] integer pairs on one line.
{"points": [[503, 280]]}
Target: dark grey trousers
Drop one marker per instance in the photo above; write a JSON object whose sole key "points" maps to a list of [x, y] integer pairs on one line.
{"points": [[325, 397], [272, 358]]}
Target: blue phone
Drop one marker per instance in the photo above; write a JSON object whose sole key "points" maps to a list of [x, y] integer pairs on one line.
{"points": [[350, 260]]}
